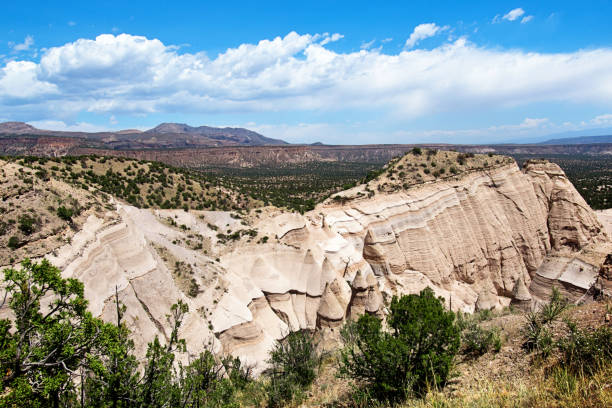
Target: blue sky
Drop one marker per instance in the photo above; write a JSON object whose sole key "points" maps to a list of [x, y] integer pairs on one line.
{"points": [[331, 71]]}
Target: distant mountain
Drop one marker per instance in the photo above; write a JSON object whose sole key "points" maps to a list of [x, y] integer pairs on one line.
{"points": [[576, 137], [164, 136], [239, 135], [17, 128], [580, 140]]}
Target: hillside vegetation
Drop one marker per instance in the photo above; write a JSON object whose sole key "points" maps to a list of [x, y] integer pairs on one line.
{"points": [[147, 184], [299, 187], [39, 213], [426, 165], [421, 356], [140, 183], [420, 166]]}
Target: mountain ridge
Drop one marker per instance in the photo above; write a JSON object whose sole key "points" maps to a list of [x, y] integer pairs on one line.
{"points": [[579, 140], [165, 135]]}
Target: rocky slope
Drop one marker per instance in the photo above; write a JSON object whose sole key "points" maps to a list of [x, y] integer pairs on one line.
{"points": [[482, 238]]}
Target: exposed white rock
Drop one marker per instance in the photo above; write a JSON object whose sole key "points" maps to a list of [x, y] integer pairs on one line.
{"points": [[479, 241]]}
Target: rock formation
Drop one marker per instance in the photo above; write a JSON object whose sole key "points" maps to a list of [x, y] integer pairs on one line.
{"points": [[482, 240]]}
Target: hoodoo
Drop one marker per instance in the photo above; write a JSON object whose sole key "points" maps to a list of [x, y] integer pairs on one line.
{"points": [[485, 237]]}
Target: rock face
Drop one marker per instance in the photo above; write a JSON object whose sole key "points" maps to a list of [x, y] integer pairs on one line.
{"points": [[481, 240]]}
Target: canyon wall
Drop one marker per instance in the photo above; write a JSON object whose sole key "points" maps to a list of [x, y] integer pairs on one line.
{"points": [[484, 239]]}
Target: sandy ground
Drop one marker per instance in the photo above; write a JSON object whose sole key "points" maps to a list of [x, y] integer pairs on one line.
{"points": [[605, 217]]}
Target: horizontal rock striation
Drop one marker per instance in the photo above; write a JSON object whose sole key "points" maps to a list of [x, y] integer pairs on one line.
{"points": [[481, 240]]}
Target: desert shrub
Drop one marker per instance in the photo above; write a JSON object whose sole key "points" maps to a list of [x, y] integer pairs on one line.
{"points": [[194, 288], [239, 374], [372, 174], [537, 332], [26, 224], [538, 336], [13, 242], [294, 362], [416, 151], [476, 340], [413, 355], [584, 351], [555, 306], [64, 213], [206, 382]]}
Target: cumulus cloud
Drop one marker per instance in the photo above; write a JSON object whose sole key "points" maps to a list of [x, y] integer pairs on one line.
{"points": [[513, 14], [25, 45], [423, 31], [19, 80], [119, 74]]}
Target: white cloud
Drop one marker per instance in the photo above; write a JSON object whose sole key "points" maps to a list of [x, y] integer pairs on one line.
{"points": [[423, 31], [356, 133], [19, 80], [331, 38], [71, 23], [63, 126], [329, 133], [526, 124], [513, 14], [367, 45], [121, 74], [605, 119], [25, 45], [526, 19]]}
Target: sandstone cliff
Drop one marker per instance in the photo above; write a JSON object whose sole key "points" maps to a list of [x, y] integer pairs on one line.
{"points": [[481, 239]]}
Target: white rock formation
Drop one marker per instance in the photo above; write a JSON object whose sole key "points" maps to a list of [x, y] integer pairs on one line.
{"points": [[480, 241]]}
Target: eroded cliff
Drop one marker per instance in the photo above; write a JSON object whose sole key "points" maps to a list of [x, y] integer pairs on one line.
{"points": [[483, 238]]}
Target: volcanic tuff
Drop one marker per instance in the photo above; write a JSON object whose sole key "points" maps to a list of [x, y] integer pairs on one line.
{"points": [[481, 239]]}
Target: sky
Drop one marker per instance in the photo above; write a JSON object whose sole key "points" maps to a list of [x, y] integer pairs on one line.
{"points": [[338, 72]]}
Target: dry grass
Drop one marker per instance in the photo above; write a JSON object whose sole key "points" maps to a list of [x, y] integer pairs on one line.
{"points": [[510, 378]]}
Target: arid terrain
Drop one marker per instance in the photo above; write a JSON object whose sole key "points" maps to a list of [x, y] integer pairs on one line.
{"points": [[483, 233]]}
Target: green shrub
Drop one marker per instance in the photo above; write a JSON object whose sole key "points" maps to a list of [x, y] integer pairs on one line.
{"points": [[538, 336], [294, 362], [584, 351], [13, 242], [476, 340], [416, 151], [64, 213], [26, 224], [555, 306], [415, 354]]}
